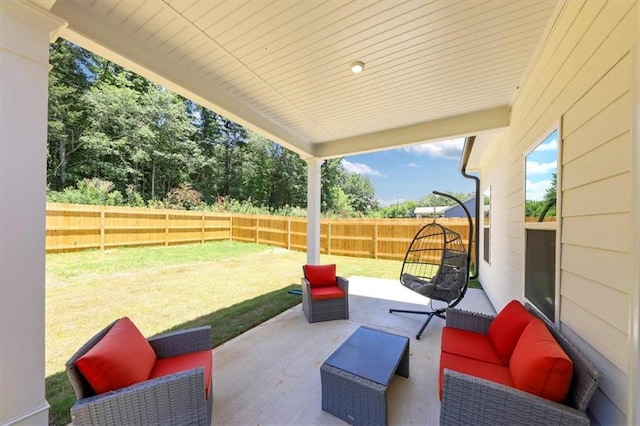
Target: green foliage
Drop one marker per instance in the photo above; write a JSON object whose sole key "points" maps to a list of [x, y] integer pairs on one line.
{"points": [[398, 210], [535, 208], [433, 200], [96, 192], [360, 193], [88, 191], [545, 207], [183, 197]]}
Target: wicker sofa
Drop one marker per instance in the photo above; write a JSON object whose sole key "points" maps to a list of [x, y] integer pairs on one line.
{"points": [[177, 391], [469, 398]]}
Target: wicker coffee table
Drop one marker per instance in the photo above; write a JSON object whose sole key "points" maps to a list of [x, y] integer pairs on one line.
{"points": [[356, 376]]}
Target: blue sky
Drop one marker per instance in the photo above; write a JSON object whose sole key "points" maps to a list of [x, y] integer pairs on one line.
{"points": [[542, 162], [411, 173]]}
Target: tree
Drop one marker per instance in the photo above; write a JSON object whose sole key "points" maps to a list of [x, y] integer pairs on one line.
{"points": [[230, 140], [434, 200], [165, 137], [549, 207], [398, 210], [360, 193], [68, 113], [333, 175]]}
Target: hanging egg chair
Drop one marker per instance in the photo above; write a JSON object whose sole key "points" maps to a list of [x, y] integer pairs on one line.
{"points": [[436, 266]]}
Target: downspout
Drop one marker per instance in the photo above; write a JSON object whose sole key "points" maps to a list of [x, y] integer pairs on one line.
{"points": [[466, 153]]}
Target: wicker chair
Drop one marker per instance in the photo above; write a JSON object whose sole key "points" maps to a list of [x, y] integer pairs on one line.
{"points": [[175, 399], [318, 307], [471, 400]]}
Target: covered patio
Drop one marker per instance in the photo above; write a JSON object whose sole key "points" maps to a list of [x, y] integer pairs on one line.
{"points": [[502, 74], [271, 374]]}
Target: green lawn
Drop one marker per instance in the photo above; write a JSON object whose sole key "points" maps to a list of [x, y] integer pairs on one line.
{"points": [[231, 286]]}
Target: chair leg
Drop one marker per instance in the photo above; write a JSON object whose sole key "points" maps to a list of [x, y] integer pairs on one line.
{"points": [[440, 313]]}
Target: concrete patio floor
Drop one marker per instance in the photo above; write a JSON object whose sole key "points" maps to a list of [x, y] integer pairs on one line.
{"points": [[270, 375]]}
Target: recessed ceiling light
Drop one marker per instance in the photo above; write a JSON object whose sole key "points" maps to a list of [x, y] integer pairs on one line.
{"points": [[357, 66]]}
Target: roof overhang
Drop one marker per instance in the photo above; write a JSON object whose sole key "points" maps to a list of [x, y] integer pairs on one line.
{"points": [[433, 71]]}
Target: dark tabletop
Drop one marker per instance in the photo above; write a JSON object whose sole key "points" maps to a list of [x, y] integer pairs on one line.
{"points": [[371, 354]]}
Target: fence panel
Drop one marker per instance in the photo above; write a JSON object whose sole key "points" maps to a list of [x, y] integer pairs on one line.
{"points": [[76, 227], [71, 227]]}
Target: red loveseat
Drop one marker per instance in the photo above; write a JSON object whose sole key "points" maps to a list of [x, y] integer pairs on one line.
{"points": [[513, 368], [120, 377]]}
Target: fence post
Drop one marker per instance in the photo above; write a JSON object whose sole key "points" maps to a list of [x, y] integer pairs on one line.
{"points": [[202, 233], [289, 234], [257, 226], [166, 229], [329, 237], [375, 241], [103, 224]]}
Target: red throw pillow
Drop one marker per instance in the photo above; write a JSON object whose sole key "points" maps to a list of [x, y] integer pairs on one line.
{"points": [[507, 327], [539, 365], [320, 275], [121, 358]]}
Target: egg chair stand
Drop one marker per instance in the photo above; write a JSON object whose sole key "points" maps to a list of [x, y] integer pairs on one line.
{"points": [[436, 266]]}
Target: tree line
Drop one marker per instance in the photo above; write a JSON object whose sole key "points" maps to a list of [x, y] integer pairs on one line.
{"points": [[117, 138]]}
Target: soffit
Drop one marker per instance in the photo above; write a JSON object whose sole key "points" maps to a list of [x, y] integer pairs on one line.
{"points": [[434, 70]]}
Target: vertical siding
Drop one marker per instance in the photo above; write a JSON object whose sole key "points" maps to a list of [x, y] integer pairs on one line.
{"points": [[582, 76]]}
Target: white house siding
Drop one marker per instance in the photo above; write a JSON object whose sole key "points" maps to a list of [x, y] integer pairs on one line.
{"points": [[582, 77]]}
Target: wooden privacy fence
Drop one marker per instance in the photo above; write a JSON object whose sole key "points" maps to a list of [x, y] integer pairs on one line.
{"points": [[73, 227]]}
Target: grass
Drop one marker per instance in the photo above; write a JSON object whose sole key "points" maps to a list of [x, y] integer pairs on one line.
{"points": [[228, 285]]}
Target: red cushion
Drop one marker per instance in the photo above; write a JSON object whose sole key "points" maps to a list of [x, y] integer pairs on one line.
{"points": [[121, 358], [469, 344], [539, 365], [320, 275], [177, 364], [484, 370], [506, 328], [333, 292]]}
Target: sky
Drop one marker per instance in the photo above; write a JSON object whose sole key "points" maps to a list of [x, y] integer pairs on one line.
{"points": [[541, 163], [410, 173]]}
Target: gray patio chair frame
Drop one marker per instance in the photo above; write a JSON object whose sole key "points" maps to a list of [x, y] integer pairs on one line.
{"points": [[470, 400], [325, 309], [175, 399]]}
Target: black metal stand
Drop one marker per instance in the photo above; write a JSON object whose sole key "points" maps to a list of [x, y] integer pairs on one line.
{"points": [[440, 313]]}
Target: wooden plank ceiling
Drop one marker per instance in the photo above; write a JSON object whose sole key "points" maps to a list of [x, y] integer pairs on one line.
{"points": [[433, 69]]}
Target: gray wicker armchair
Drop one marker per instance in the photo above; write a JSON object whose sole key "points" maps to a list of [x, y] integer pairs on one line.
{"points": [[174, 399], [471, 400], [324, 307]]}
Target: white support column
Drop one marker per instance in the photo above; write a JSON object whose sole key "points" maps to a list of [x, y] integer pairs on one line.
{"points": [[25, 32], [314, 186]]}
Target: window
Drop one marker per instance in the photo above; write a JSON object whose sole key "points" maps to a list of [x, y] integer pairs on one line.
{"points": [[541, 207], [486, 237]]}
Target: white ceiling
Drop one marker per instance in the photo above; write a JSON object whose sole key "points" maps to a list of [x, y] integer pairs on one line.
{"points": [[434, 70]]}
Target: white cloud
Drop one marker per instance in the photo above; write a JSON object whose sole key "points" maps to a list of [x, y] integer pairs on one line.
{"points": [[450, 149], [535, 168], [548, 146], [359, 168], [411, 165], [536, 190]]}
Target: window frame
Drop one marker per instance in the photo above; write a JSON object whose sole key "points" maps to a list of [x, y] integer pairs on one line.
{"points": [[553, 225], [486, 227]]}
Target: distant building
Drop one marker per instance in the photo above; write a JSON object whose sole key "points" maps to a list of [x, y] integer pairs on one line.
{"points": [[437, 211], [457, 211]]}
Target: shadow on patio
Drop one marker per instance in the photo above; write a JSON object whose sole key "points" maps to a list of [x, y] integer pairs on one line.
{"points": [[271, 373]]}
